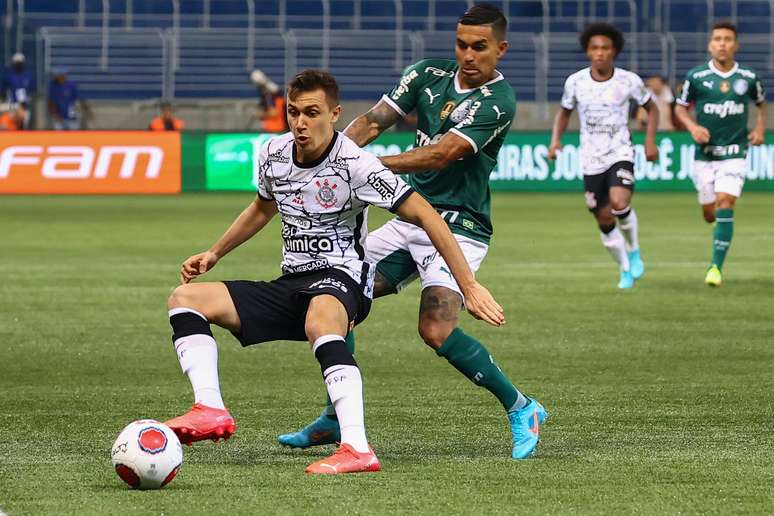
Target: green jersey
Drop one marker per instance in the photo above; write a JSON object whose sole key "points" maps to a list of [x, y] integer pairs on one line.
{"points": [[482, 116], [721, 100]]}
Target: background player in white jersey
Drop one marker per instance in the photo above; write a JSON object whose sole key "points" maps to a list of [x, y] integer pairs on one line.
{"points": [[721, 91], [464, 109], [321, 183], [601, 93]]}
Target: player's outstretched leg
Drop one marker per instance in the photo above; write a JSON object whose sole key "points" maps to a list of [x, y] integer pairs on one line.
{"points": [[324, 429], [198, 355], [614, 242], [629, 225], [437, 326], [721, 242]]}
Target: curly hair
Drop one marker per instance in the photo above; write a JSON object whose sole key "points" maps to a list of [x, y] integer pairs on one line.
{"points": [[602, 29]]}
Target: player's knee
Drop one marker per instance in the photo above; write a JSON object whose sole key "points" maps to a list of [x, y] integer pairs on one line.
{"points": [[725, 203], [435, 333], [180, 297], [619, 206]]}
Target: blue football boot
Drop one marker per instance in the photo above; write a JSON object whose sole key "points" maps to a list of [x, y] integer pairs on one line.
{"points": [[525, 427], [322, 430], [636, 265], [626, 280]]}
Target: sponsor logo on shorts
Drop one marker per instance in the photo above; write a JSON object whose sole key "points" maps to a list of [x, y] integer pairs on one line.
{"points": [[722, 150], [625, 176], [591, 200], [308, 244], [330, 283]]}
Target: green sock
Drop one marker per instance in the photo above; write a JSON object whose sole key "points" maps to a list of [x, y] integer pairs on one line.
{"points": [[721, 238], [473, 360], [329, 410]]}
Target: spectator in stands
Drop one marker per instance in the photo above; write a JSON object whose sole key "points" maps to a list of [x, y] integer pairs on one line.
{"points": [[166, 121], [64, 101], [18, 85], [665, 101], [271, 105], [14, 119]]}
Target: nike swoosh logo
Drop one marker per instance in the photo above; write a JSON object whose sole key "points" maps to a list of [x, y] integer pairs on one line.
{"points": [[329, 466]]}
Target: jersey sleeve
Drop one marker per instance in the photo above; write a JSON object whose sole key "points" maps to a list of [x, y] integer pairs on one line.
{"points": [[259, 173], [757, 93], [403, 97], [639, 92], [485, 119], [569, 100], [373, 183], [688, 94]]}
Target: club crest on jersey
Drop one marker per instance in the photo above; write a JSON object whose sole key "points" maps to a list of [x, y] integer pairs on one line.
{"points": [[459, 114], [326, 196], [152, 440], [447, 109], [725, 87], [740, 86]]}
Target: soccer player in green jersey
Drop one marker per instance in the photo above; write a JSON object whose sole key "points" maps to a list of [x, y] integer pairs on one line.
{"points": [[464, 110], [720, 91]]}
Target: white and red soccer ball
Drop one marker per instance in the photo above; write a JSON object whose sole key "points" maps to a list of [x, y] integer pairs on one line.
{"points": [[147, 454]]}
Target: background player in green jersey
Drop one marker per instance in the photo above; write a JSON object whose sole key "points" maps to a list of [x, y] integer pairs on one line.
{"points": [[464, 109], [720, 91]]}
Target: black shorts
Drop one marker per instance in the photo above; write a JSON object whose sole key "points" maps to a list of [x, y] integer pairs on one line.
{"points": [[276, 310], [598, 186]]}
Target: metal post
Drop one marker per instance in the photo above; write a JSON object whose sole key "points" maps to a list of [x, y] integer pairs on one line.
{"points": [[733, 11], [250, 57], [431, 15], [357, 12], [103, 60], [326, 35], [398, 36], [610, 11], [632, 16], [664, 55], [672, 48], [175, 35], [540, 42], [579, 16], [8, 24], [19, 24], [546, 16], [166, 70], [771, 31], [81, 14], [206, 14], [657, 17], [418, 46], [290, 54], [282, 16], [129, 18], [710, 15]]}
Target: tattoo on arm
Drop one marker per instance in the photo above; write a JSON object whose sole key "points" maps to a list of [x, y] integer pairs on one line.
{"points": [[366, 128]]}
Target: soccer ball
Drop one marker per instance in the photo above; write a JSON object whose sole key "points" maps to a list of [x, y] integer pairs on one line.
{"points": [[147, 454]]}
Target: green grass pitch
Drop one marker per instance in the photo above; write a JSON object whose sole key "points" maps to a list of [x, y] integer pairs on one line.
{"points": [[660, 398]]}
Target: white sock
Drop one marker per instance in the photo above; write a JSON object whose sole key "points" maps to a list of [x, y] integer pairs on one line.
{"points": [[629, 229], [198, 356], [345, 388], [616, 245]]}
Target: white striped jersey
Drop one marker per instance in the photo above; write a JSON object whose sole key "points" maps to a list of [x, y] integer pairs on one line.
{"points": [[323, 205], [603, 109]]}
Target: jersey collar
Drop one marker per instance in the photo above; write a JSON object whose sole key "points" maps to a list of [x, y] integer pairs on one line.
{"points": [[322, 157], [724, 75], [460, 90]]}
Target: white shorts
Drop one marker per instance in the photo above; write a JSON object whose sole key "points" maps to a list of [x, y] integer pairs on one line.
{"points": [[402, 252], [725, 176]]}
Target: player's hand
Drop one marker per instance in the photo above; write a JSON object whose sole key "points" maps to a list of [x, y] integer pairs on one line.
{"points": [[755, 137], [196, 265], [651, 151], [700, 134], [553, 149], [482, 305]]}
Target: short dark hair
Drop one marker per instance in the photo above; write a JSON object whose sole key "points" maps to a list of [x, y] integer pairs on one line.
{"points": [[486, 14], [725, 25], [602, 29], [311, 80]]}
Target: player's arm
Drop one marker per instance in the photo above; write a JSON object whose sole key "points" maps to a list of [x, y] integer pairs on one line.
{"points": [[437, 156], [561, 121], [700, 134], [758, 96], [254, 218], [367, 127], [478, 300], [651, 151]]}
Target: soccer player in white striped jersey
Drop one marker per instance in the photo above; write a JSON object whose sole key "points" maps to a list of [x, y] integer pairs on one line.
{"points": [[601, 92]]}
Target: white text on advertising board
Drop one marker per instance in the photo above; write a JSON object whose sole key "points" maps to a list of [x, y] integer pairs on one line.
{"points": [[80, 162]]}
